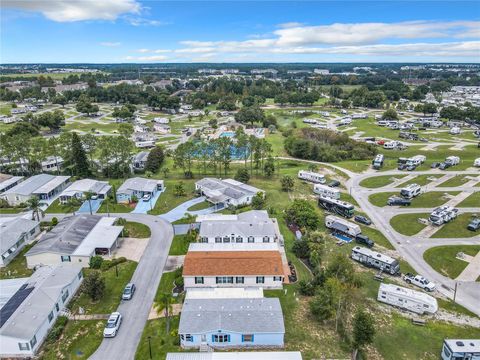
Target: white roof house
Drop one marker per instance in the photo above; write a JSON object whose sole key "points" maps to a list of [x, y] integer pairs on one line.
{"points": [[138, 187], [15, 233], [80, 187], [226, 191], [75, 239], [8, 182], [27, 316], [248, 355]]}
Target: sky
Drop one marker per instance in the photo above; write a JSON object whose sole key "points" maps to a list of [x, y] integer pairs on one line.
{"points": [[137, 31]]}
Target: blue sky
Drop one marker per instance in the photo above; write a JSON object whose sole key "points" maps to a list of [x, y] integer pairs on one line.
{"points": [[103, 31]]}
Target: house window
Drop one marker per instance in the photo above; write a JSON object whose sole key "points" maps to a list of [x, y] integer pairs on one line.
{"points": [[218, 239], [80, 275], [239, 279], [220, 338], [277, 278], [198, 279], [33, 341], [224, 279], [266, 239], [65, 296], [226, 239], [251, 239], [32, 231], [188, 337], [50, 316], [247, 338], [239, 239], [23, 346], [65, 258], [57, 307], [182, 337], [260, 279], [204, 239]]}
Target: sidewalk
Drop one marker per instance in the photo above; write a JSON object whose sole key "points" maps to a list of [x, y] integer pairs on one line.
{"points": [[472, 271]]}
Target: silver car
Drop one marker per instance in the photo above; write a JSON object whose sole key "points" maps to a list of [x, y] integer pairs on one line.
{"points": [[113, 324], [128, 291]]}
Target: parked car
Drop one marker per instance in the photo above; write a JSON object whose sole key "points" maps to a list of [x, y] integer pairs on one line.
{"points": [[474, 225], [364, 240], [128, 291], [146, 197], [334, 183], [395, 200], [419, 281], [435, 165], [362, 220], [94, 197], [444, 166], [113, 324]]}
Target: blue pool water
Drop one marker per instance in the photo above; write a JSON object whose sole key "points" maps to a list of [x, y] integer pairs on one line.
{"points": [[229, 134]]}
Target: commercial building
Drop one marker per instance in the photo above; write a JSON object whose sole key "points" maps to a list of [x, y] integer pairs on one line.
{"points": [[15, 233], [78, 189], [138, 187], [226, 192]]}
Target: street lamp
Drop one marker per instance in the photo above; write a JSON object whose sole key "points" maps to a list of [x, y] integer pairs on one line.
{"points": [[150, 347]]}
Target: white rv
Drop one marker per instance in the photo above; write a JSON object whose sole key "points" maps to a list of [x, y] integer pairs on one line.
{"points": [[452, 160], [359, 116], [416, 160], [455, 349], [410, 191], [346, 121], [443, 214], [326, 191], [476, 162], [309, 121], [337, 224], [374, 259], [311, 176], [455, 130], [407, 299]]}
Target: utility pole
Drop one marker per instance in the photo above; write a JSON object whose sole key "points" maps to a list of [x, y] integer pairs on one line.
{"points": [[455, 292]]}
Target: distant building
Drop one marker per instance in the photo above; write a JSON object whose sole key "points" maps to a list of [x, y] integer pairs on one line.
{"points": [[52, 163], [79, 188], [30, 313], [74, 240], [15, 234], [226, 192], [161, 128], [139, 161], [8, 181], [138, 187], [321, 71]]}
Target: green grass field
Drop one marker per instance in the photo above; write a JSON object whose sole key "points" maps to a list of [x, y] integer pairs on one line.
{"points": [[443, 258], [137, 230], [457, 180], [425, 200], [379, 181], [471, 201], [114, 208], [10, 210], [168, 200], [17, 268], [57, 208], [200, 206], [421, 180], [457, 228], [407, 224]]}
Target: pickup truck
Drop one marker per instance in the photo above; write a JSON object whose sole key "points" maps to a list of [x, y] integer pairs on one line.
{"points": [[419, 281]]}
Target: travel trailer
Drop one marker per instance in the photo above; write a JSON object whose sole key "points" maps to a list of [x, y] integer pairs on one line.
{"points": [[326, 191], [376, 260], [311, 176], [416, 160], [443, 214], [410, 191], [476, 162], [345, 121], [378, 161], [452, 160], [309, 121], [407, 299], [339, 225], [455, 349], [455, 130], [339, 207]]}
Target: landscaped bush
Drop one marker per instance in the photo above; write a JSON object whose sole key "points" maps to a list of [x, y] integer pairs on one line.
{"points": [[57, 329], [96, 262], [107, 264]]}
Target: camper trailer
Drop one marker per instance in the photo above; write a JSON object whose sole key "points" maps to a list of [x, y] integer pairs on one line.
{"points": [[410, 191], [374, 259], [407, 299], [339, 225], [311, 176], [452, 160], [326, 191], [443, 214], [476, 163], [345, 121], [455, 130], [339, 207], [416, 160], [309, 121], [455, 349], [378, 161]]}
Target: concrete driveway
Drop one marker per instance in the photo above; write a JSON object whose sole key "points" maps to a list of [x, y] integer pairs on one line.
{"points": [[144, 206], [85, 208], [181, 210]]}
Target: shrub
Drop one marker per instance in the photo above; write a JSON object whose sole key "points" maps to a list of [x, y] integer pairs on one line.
{"points": [[57, 329], [242, 175], [94, 285], [96, 262], [54, 221], [306, 288]]}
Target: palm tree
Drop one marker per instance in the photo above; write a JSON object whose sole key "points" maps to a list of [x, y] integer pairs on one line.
{"points": [[165, 303], [88, 195], [72, 204], [34, 205]]}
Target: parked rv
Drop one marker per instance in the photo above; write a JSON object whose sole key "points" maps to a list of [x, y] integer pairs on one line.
{"points": [[455, 130], [407, 299], [326, 191], [339, 207], [452, 160], [339, 225], [311, 176], [410, 191], [376, 260], [476, 163], [455, 349], [443, 215], [378, 161]]}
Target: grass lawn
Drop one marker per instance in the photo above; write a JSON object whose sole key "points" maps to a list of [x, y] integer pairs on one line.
{"points": [[379, 181], [425, 200], [57, 208], [113, 290], [456, 228], [200, 206], [137, 230], [161, 341], [179, 245], [450, 306], [377, 237], [168, 200], [471, 201], [17, 268], [408, 224], [420, 180], [11, 210], [443, 260], [79, 340], [457, 180], [114, 208]]}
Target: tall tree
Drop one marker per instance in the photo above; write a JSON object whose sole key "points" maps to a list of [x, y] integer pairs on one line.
{"points": [[34, 205], [88, 195], [164, 303], [155, 159], [363, 331], [79, 158]]}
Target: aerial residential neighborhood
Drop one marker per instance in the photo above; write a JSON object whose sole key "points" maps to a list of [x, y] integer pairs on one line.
{"points": [[223, 180]]}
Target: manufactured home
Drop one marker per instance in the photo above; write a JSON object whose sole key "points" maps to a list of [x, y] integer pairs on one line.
{"points": [[311, 176], [407, 299], [325, 190], [374, 259], [339, 225]]}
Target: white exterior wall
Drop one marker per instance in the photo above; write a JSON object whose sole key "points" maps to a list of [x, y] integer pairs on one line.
{"points": [[249, 281], [55, 259], [16, 199], [256, 239], [27, 238]]}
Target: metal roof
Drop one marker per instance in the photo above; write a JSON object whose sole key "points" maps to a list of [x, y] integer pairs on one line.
{"points": [[138, 184], [247, 355], [226, 188], [103, 235], [30, 185], [52, 185], [84, 185], [463, 345], [11, 229], [255, 316], [8, 180]]}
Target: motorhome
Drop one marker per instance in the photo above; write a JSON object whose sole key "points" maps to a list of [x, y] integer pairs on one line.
{"points": [[455, 349], [359, 116], [443, 214], [407, 299], [345, 121], [455, 130], [452, 160], [390, 145], [410, 191], [339, 225], [416, 160], [325, 190], [378, 161], [309, 121], [311, 176], [374, 259], [339, 207]]}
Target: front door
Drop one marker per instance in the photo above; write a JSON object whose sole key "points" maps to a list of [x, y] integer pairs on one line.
{"points": [[204, 338]]}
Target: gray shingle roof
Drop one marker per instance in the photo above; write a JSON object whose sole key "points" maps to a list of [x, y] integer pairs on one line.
{"points": [[232, 315]]}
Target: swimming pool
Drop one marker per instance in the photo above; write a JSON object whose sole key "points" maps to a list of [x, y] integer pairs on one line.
{"points": [[229, 134]]}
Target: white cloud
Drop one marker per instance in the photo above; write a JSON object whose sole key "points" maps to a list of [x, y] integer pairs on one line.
{"points": [[291, 24], [77, 10], [110, 44], [140, 21]]}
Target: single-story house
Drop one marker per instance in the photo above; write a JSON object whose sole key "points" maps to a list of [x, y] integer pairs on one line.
{"points": [[226, 192], [44, 186], [231, 323], [139, 161], [8, 181], [29, 314], [15, 234], [75, 240], [246, 355], [80, 187], [234, 269], [52, 163], [138, 187], [253, 226]]}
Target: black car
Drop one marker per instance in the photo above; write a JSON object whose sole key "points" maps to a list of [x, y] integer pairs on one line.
{"points": [[444, 166], [435, 165], [393, 201], [362, 220], [334, 183], [365, 240]]}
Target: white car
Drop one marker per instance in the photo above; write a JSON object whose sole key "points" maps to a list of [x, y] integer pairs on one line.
{"points": [[147, 197], [113, 324], [419, 281]]}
